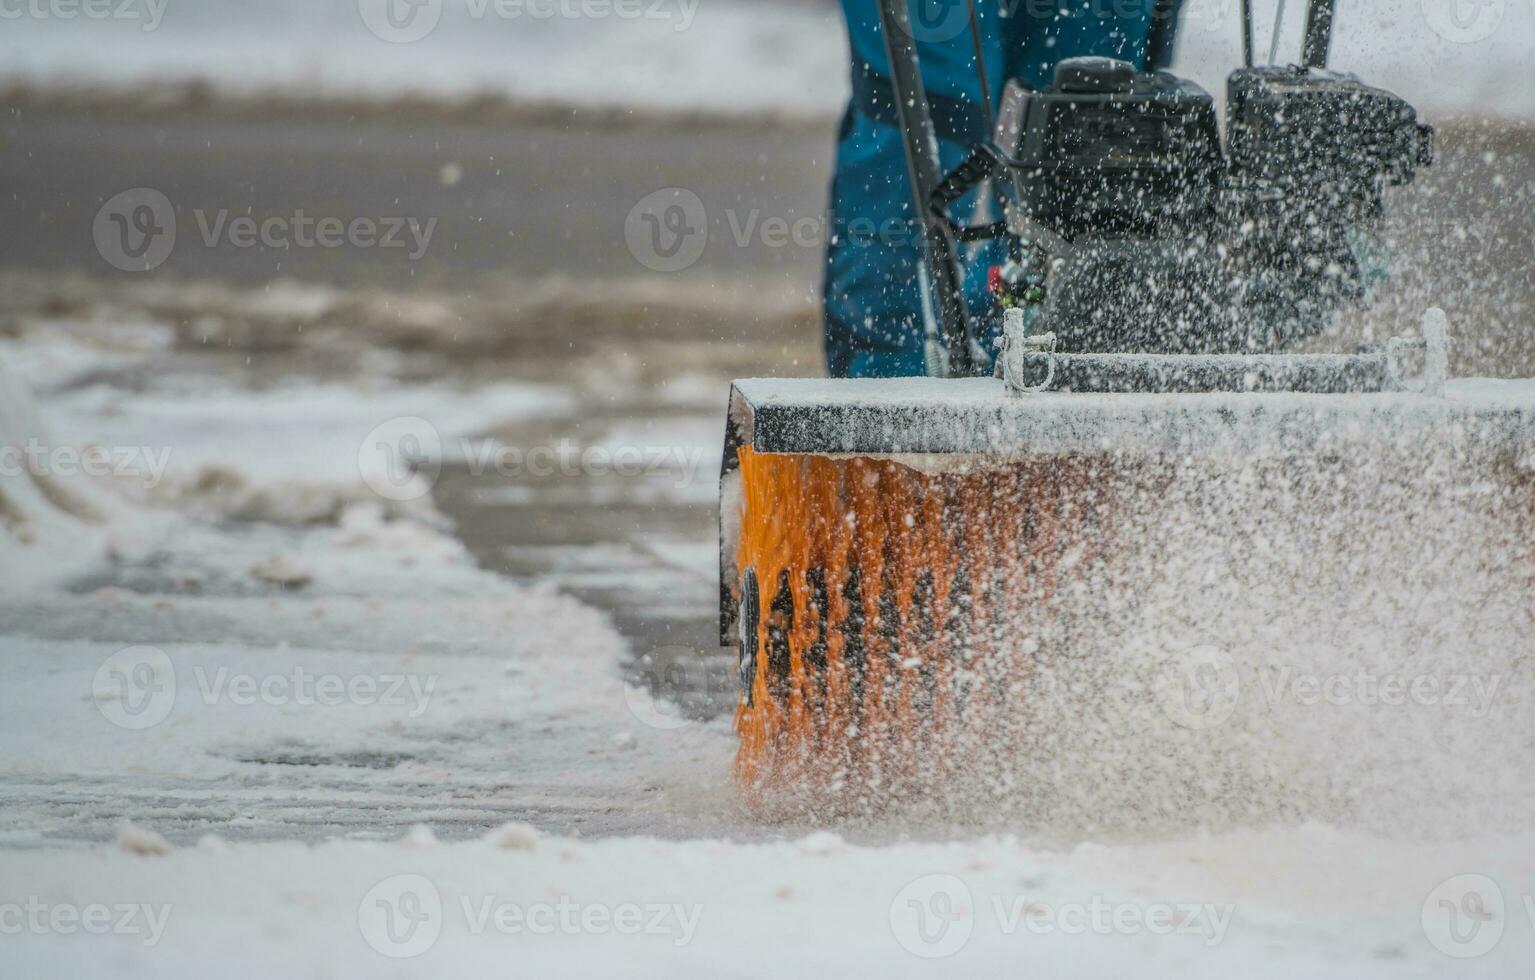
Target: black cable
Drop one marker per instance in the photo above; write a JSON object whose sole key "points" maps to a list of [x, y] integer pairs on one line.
{"points": [[1278, 34], [1162, 34], [980, 70], [1247, 33], [1318, 33]]}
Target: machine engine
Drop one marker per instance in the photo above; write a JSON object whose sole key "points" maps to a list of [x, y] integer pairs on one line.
{"points": [[1133, 229]]}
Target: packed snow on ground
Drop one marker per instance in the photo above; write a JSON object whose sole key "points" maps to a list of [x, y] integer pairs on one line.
{"points": [[216, 735], [308, 668], [1311, 902], [725, 55]]}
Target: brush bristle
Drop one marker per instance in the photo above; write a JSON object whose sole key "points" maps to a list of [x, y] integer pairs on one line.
{"points": [[882, 591]]}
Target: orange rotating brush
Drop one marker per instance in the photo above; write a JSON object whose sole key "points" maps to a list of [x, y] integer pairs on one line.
{"points": [[874, 636]]}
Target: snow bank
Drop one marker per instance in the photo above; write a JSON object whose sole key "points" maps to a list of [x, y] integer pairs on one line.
{"points": [[326, 663], [284, 451], [54, 513]]}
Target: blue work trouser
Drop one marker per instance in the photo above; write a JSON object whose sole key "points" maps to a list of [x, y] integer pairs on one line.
{"points": [[873, 318]]}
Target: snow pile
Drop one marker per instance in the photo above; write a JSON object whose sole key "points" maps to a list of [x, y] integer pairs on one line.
{"points": [[55, 505], [291, 668], [291, 452]]}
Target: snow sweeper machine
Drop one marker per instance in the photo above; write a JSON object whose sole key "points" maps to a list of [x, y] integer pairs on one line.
{"points": [[914, 570]]}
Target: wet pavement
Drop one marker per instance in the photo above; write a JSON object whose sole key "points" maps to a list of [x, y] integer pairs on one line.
{"points": [[642, 548]]}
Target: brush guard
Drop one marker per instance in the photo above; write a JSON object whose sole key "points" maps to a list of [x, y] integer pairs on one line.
{"points": [[1030, 364], [1062, 406]]}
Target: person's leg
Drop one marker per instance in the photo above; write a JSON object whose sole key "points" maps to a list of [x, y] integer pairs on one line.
{"points": [[872, 305], [873, 316], [1042, 33]]}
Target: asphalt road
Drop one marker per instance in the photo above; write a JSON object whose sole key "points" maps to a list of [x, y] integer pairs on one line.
{"points": [[499, 199], [465, 204]]}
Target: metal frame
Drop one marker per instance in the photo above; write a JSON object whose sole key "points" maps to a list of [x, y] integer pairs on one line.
{"points": [[979, 419], [1318, 45]]}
